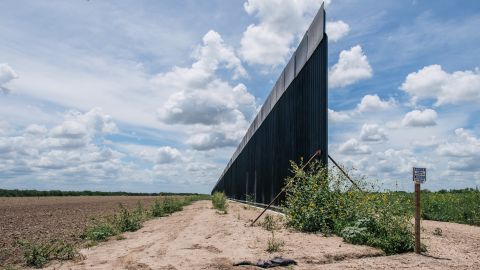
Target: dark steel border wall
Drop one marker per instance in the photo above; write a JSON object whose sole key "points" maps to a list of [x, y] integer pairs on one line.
{"points": [[291, 125]]}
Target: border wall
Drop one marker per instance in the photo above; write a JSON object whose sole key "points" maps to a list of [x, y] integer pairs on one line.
{"points": [[292, 124]]}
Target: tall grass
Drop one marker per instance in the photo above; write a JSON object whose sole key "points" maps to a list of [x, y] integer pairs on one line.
{"points": [[460, 206]]}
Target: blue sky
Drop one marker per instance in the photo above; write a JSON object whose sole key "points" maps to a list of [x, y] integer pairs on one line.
{"points": [[155, 95]]}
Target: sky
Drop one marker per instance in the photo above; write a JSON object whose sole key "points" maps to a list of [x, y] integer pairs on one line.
{"points": [[150, 96]]}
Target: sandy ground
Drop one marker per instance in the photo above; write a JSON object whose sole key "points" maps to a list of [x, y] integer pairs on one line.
{"points": [[201, 238]]}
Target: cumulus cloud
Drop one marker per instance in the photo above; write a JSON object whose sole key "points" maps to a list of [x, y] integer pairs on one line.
{"points": [[394, 162], [354, 147], [69, 150], [417, 118], [89, 124], [463, 151], [214, 51], [463, 145], [281, 22], [7, 74], [214, 139], [334, 116], [374, 103], [215, 111], [336, 30], [372, 133], [209, 57], [433, 141], [170, 165], [217, 103], [35, 129], [352, 66], [432, 82], [167, 154]]}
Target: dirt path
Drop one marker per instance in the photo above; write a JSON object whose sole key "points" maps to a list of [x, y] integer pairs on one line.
{"points": [[200, 238]]}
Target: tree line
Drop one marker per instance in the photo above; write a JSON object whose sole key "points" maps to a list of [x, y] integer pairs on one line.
{"points": [[45, 193]]}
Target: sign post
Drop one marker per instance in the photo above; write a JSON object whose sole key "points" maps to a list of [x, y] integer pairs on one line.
{"points": [[419, 177]]}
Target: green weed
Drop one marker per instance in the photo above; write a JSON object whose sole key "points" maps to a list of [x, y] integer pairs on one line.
{"points": [[126, 221], [157, 209], [460, 206], [322, 200], [274, 245], [171, 206], [219, 201], [37, 254], [455, 206], [270, 223], [99, 232], [167, 206]]}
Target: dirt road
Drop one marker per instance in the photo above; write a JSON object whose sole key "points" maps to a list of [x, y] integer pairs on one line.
{"points": [[200, 238]]}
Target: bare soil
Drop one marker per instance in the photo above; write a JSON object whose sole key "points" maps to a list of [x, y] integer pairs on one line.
{"points": [[201, 238], [45, 218]]}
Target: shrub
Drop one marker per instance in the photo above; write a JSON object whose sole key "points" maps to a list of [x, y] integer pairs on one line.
{"points": [[356, 234], [99, 232], [157, 209], [219, 201], [125, 221], [324, 201], [62, 250], [140, 212], [171, 205], [309, 202], [168, 206], [37, 254]]}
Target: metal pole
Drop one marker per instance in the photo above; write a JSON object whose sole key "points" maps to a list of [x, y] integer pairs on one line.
{"points": [[417, 218], [285, 188], [344, 173]]}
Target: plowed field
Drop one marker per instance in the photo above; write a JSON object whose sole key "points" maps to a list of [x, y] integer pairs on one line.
{"points": [[44, 218]]}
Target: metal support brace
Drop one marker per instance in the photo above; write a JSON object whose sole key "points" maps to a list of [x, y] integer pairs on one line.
{"points": [[344, 173], [318, 152]]}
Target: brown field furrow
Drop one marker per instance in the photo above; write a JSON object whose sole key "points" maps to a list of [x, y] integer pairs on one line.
{"points": [[45, 218]]}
